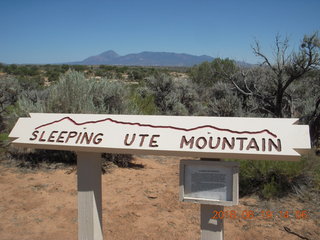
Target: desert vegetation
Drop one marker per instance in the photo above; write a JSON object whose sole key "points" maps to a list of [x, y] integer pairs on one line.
{"points": [[286, 85]]}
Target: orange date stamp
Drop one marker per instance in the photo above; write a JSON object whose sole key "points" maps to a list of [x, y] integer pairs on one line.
{"points": [[263, 214]]}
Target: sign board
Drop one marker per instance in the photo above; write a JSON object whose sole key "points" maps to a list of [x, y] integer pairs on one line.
{"points": [[204, 182], [208, 137], [209, 182]]}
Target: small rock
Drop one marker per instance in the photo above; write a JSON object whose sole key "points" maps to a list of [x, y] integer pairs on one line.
{"points": [[152, 196]]}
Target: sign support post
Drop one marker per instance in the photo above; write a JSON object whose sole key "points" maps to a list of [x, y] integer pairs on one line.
{"points": [[89, 196], [211, 229]]}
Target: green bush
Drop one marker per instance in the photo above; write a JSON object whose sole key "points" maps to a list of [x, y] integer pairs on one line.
{"points": [[33, 159], [162, 88], [222, 101], [53, 159], [270, 189], [312, 168], [121, 160], [208, 73], [73, 93], [110, 97], [3, 140], [142, 101], [270, 179], [173, 97], [10, 90]]}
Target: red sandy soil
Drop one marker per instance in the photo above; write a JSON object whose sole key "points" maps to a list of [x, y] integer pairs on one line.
{"points": [[138, 203]]}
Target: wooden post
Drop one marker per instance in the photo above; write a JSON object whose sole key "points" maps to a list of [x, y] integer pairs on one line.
{"points": [[211, 229], [89, 196]]}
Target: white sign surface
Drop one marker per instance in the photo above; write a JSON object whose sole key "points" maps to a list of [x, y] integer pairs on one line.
{"points": [[209, 182], [209, 137]]}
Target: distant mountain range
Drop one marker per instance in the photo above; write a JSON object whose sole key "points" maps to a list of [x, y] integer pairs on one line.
{"points": [[144, 59], [162, 59]]}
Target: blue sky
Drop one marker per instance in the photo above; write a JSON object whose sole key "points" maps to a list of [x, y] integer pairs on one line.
{"points": [[47, 31]]}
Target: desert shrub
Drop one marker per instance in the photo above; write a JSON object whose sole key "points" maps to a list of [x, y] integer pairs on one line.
{"points": [[53, 159], [312, 168], [298, 100], [73, 93], [29, 76], [36, 158], [30, 83], [270, 189], [52, 75], [110, 97], [201, 73], [121, 160], [53, 72], [137, 74], [270, 179], [162, 87], [142, 101], [29, 70], [188, 98], [308, 105], [4, 141], [173, 97], [2, 67], [70, 95], [10, 90], [79, 68], [208, 73], [220, 100]]}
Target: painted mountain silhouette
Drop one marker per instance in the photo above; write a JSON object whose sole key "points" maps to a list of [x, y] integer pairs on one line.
{"points": [[69, 119]]}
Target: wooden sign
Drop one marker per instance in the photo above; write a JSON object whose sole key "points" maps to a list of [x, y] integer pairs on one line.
{"points": [[208, 137]]}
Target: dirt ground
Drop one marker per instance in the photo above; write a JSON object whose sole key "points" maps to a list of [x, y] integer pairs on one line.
{"points": [[138, 203]]}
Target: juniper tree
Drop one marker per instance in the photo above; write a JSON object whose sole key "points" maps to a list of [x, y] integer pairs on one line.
{"points": [[285, 69]]}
